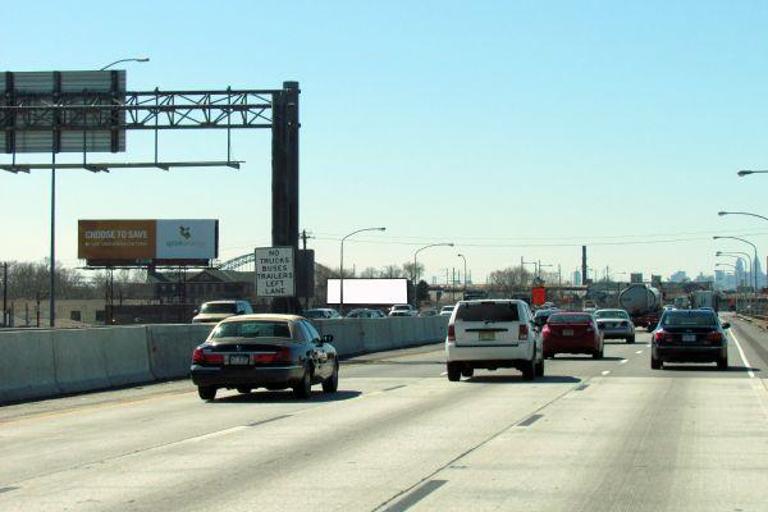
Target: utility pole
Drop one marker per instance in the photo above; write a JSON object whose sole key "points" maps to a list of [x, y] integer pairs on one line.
{"points": [[5, 294]]}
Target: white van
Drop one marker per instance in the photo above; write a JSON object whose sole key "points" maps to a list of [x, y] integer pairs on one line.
{"points": [[493, 334]]}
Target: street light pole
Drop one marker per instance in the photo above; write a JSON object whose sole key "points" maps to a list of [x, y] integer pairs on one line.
{"points": [[341, 265], [754, 248], [416, 265], [465, 272], [738, 255], [131, 59]]}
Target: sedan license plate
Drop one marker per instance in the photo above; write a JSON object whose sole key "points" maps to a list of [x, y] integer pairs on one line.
{"points": [[567, 332], [487, 336], [239, 359], [689, 338]]}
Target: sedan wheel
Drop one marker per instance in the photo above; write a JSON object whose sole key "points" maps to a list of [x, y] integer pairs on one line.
{"points": [[722, 363], [540, 368], [206, 392], [331, 384], [655, 363], [304, 388]]}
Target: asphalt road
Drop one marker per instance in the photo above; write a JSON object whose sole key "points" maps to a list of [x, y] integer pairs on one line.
{"points": [[609, 435]]}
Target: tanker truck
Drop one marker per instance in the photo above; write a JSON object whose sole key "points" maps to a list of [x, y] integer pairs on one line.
{"points": [[643, 303]]}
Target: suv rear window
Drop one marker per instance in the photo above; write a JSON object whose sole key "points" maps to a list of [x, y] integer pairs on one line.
{"points": [[683, 318], [252, 329], [569, 319], [488, 312], [218, 307]]}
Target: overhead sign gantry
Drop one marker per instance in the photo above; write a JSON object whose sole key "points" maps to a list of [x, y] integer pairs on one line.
{"points": [[90, 111]]}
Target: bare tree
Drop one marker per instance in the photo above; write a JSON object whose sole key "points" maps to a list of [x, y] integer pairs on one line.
{"points": [[412, 271], [509, 279], [391, 272]]}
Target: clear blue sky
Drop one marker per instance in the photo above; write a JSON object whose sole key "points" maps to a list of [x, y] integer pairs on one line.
{"points": [[510, 128]]}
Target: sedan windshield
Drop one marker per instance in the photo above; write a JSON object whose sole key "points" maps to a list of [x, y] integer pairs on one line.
{"points": [[611, 313], [252, 329], [682, 318]]}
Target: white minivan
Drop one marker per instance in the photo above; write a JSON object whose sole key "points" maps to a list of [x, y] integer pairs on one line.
{"points": [[493, 334]]}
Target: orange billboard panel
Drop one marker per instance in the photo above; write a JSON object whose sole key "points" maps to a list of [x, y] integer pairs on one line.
{"points": [[116, 240]]}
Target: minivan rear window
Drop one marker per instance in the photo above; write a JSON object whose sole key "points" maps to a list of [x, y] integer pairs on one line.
{"points": [[569, 319], [488, 312]]}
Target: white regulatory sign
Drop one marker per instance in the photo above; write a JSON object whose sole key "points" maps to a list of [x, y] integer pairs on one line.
{"points": [[275, 272]]}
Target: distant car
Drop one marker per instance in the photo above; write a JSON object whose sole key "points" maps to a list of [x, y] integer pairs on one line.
{"points": [[321, 314], [366, 313], [447, 310], [428, 312], [540, 317], [265, 350], [217, 310], [572, 333], [690, 335], [492, 334], [403, 310], [615, 324]]}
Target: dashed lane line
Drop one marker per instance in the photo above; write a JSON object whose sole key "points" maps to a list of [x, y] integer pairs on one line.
{"points": [[639, 352], [606, 372], [623, 361]]}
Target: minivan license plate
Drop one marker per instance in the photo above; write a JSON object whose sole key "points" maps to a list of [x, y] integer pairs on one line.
{"points": [[239, 359], [487, 336]]}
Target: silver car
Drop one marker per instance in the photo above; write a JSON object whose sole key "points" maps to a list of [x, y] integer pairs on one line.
{"points": [[615, 324]]}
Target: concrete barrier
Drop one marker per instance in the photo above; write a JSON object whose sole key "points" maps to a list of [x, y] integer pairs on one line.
{"points": [[27, 368], [125, 355], [80, 361], [44, 363], [170, 348]]}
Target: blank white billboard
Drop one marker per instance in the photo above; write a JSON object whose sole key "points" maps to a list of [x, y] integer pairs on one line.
{"points": [[369, 291]]}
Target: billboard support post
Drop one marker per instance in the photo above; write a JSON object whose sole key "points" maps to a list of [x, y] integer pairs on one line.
{"points": [[285, 180], [52, 298]]}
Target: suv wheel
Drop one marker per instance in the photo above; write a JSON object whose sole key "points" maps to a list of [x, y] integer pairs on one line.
{"points": [[206, 392], [467, 372], [529, 370], [540, 368], [454, 372]]}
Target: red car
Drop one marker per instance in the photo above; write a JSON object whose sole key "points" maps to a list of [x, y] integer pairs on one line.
{"points": [[572, 333]]}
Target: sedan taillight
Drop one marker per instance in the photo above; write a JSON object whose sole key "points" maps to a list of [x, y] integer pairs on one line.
{"points": [[714, 337], [283, 355], [662, 336], [200, 356]]}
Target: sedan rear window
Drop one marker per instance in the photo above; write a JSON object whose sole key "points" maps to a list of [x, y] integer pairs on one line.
{"points": [[488, 312], [681, 318], [252, 329], [569, 319]]}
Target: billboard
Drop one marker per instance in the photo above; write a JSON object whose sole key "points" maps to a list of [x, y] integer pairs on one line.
{"points": [[538, 295], [144, 241], [275, 272], [74, 127], [368, 291]]}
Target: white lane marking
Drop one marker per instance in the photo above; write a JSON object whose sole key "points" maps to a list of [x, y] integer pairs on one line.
{"points": [[639, 352], [606, 372], [647, 344], [623, 361], [444, 374], [743, 356]]}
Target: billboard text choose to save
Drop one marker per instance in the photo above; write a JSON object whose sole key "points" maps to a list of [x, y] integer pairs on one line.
{"points": [[144, 240]]}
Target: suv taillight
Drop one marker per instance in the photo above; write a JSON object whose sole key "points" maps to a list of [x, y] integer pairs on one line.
{"points": [[451, 332], [523, 332]]}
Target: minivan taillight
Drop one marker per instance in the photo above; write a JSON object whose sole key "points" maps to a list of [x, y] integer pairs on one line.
{"points": [[523, 332], [451, 332]]}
